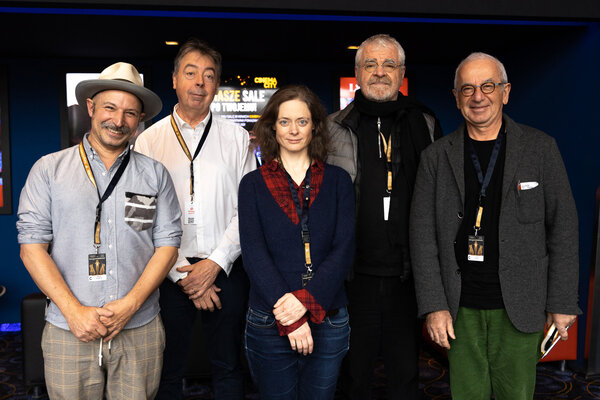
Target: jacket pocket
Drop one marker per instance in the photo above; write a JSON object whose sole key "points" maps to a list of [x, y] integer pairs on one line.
{"points": [[530, 205], [139, 210]]}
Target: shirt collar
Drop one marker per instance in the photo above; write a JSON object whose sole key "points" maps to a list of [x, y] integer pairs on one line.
{"points": [[89, 150], [182, 124]]}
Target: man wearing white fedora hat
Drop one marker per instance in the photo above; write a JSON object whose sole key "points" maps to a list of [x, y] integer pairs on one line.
{"points": [[99, 227], [207, 157]]}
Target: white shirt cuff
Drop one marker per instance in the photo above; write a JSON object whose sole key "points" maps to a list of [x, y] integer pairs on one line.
{"points": [[221, 258]]}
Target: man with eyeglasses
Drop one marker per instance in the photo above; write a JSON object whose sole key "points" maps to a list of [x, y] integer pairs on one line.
{"points": [[493, 241], [378, 139], [207, 157]]}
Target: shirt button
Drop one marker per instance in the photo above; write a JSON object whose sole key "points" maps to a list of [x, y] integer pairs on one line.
{"points": [[460, 215], [110, 221], [104, 173], [110, 246], [112, 297], [110, 272], [458, 272]]}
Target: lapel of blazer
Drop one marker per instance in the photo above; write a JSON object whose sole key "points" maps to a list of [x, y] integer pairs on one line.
{"points": [[514, 149], [455, 153]]}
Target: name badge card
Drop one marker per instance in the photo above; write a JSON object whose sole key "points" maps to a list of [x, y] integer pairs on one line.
{"points": [[189, 216], [476, 244], [386, 207], [97, 267]]}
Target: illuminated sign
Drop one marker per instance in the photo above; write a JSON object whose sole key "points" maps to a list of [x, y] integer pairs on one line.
{"points": [[242, 99], [348, 86]]}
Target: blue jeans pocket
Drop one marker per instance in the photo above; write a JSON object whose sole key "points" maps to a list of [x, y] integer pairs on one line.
{"points": [[260, 319], [338, 320]]}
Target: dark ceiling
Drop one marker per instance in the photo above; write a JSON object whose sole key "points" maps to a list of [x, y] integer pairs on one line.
{"points": [[34, 35]]}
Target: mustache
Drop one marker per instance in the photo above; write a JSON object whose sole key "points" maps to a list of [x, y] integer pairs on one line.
{"points": [[385, 79], [124, 130]]}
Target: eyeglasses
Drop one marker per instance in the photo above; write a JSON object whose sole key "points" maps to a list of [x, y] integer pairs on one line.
{"points": [[486, 88], [387, 66]]}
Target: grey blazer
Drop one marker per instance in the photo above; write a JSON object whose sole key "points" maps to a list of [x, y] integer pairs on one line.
{"points": [[538, 234]]}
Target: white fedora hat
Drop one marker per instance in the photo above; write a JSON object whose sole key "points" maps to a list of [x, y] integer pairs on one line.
{"points": [[120, 76]]}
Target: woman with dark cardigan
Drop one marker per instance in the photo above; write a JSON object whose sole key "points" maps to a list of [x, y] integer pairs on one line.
{"points": [[296, 217]]}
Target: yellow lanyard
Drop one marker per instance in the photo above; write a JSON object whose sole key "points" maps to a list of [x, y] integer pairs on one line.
{"points": [[187, 151], [387, 148]]}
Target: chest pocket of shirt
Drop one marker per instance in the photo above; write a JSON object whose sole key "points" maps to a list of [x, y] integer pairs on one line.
{"points": [[139, 210]]}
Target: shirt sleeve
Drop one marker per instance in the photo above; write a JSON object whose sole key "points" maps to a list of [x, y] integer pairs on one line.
{"points": [[286, 330], [228, 249], [167, 226], [315, 311], [34, 223]]}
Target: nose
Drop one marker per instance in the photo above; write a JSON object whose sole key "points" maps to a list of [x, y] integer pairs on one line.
{"points": [[118, 118], [379, 71], [478, 94]]}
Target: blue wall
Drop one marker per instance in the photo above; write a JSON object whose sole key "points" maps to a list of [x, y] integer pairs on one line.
{"points": [[554, 88]]}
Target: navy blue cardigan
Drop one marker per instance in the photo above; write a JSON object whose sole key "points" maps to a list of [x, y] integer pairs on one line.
{"points": [[272, 247]]}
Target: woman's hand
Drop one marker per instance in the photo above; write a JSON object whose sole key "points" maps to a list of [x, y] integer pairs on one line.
{"points": [[301, 339], [288, 309]]}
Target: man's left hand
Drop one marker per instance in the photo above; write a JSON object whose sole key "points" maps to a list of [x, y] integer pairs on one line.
{"points": [[123, 309], [562, 323], [201, 276]]}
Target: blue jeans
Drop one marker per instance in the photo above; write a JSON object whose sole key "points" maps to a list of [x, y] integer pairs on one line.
{"points": [[282, 373]]}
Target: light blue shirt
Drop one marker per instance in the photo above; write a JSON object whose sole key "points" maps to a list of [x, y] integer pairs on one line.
{"points": [[58, 206]]}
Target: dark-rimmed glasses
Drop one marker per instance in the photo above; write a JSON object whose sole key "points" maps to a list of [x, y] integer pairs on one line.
{"points": [[486, 88]]}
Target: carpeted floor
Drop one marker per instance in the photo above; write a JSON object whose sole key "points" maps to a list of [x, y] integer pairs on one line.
{"points": [[551, 382]]}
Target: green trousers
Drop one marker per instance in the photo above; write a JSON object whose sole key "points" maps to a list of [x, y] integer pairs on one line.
{"points": [[489, 355]]}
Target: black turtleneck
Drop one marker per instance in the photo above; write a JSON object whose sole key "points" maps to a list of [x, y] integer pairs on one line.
{"points": [[377, 254]]}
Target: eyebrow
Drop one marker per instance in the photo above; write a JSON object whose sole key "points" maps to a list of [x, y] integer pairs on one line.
{"points": [[109, 103], [197, 67], [386, 60], [489, 80]]}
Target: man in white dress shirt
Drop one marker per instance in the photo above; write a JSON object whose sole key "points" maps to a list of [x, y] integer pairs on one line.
{"points": [[206, 157]]}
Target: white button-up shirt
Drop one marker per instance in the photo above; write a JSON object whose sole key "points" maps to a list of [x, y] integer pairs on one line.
{"points": [[222, 162]]}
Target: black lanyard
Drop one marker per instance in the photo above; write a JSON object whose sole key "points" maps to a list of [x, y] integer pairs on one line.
{"points": [[107, 192], [187, 151], [302, 211], [484, 181]]}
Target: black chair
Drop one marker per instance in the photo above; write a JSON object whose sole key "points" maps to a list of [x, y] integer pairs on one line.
{"points": [[33, 308]]}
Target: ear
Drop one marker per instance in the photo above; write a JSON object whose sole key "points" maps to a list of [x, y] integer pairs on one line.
{"points": [[174, 81], [90, 106], [505, 93], [142, 115], [455, 93]]}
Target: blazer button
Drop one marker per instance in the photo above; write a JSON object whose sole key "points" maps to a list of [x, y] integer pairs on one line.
{"points": [[458, 272], [460, 215]]}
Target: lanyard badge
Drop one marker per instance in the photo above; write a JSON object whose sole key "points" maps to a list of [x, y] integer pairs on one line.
{"points": [[189, 208], [476, 242], [303, 216], [387, 148], [97, 260]]}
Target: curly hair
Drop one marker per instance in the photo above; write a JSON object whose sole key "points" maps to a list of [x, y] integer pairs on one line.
{"points": [[264, 130]]}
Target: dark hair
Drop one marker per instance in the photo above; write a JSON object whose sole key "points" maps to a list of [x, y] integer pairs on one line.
{"points": [[195, 44], [264, 130]]}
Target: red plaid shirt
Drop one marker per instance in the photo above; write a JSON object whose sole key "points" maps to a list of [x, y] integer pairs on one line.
{"points": [[277, 183]]}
